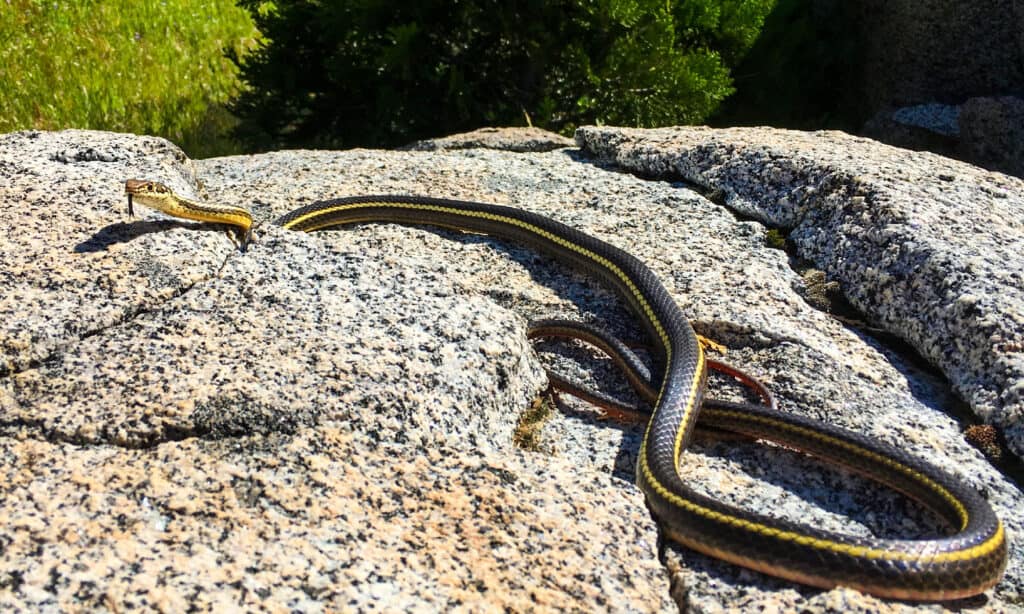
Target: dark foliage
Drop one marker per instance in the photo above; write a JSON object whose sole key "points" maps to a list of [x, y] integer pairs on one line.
{"points": [[803, 72], [370, 72]]}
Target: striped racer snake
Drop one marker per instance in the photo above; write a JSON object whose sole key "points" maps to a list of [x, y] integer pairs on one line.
{"points": [[963, 564]]}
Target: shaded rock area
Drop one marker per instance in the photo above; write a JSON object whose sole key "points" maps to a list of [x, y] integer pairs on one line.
{"points": [[992, 133], [326, 421], [965, 56], [929, 127], [985, 131], [922, 51]]}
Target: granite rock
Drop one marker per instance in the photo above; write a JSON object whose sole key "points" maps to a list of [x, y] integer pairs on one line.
{"points": [[930, 249], [506, 139], [326, 421]]}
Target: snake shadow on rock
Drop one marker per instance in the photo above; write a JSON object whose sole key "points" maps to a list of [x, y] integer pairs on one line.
{"points": [[123, 232]]}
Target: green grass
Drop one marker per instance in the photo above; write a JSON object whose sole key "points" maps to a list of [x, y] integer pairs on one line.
{"points": [[142, 66]]}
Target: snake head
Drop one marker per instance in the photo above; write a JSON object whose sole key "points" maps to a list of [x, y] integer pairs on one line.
{"points": [[144, 188]]}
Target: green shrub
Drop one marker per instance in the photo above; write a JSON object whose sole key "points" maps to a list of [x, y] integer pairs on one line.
{"points": [[370, 72], [144, 67]]}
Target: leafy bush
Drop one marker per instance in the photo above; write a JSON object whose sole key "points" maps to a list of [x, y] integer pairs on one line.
{"points": [[375, 72], [144, 67]]}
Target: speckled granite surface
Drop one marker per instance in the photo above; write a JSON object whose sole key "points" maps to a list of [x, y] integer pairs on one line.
{"points": [[325, 421], [930, 248], [505, 139]]}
